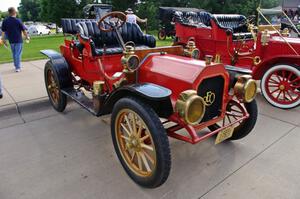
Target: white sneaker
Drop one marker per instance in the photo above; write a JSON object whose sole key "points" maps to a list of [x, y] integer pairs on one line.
{"points": [[18, 70]]}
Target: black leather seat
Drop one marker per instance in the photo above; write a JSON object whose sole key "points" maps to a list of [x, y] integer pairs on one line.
{"points": [[196, 19], [69, 25], [235, 23], [106, 42]]}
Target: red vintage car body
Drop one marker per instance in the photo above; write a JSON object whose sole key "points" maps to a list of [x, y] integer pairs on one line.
{"points": [[160, 69], [151, 92]]}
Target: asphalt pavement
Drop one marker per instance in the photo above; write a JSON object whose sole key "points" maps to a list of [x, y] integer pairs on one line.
{"points": [[46, 155]]}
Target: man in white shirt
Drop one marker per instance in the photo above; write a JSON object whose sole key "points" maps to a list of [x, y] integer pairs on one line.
{"points": [[132, 18]]}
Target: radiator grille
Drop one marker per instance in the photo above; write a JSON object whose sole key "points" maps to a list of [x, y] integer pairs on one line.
{"points": [[211, 89]]}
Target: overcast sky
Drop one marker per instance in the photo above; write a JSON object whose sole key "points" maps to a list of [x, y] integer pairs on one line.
{"points": [[5, 4]]}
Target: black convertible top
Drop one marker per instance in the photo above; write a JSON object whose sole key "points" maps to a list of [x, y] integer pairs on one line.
{"points": [[166, 14]]}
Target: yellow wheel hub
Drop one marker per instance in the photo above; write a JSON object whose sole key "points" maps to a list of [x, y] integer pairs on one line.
{"points": [[282, 87]]}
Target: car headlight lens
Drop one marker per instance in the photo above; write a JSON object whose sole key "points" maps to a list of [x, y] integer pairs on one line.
{"points": [[190, 107], [131, 62], [245, 88]]}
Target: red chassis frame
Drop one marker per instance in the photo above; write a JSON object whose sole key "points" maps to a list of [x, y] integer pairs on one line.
{"points": [[154, 68]]}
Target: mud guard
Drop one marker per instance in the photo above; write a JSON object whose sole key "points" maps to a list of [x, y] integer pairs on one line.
{"points": [[61, 67], [156, 96]]}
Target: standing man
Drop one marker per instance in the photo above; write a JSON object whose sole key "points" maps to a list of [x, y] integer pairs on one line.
{"points": [[132, 18], [12, 27]]}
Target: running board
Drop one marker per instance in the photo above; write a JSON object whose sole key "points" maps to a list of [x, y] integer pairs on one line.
{"points": [[81, 99]]}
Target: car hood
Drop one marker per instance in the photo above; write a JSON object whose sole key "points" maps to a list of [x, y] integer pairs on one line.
{"points": [[178, 73]]}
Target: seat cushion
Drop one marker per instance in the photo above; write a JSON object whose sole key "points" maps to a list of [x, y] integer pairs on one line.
{"points": [[233, 22], [197, 19], [129, 32], [69, 25]]}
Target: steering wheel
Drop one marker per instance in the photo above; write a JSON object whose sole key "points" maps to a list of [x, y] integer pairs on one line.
{"points": [[113, 20]]}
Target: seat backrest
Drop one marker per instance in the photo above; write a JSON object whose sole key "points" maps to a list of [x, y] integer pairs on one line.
{"points": [[193, 18], [129, 32], [234, 22], [69, 25]]}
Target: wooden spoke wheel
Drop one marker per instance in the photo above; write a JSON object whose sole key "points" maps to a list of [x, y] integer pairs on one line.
{"points": [[280, 86], [235, 111], [136, 143], [56, 97], [140, 142]]}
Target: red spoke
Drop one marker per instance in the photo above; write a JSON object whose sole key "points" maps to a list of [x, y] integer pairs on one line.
{"points": [[275, 91], [278, 94], [293, 91], [283, 74], [275, 81], [291, 98], [278, 76], [295, 80], [284, 96], [295, 86], [273, 86], [289, 77]]}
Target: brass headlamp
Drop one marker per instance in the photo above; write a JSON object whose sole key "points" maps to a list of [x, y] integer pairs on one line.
{"points": [[190, 107], [130, 61], [191, 50], [245, 88]]}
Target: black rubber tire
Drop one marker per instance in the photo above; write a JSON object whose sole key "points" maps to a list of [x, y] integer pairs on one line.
{"points": [[62, 103], [160, 139], [162, 35], [247, 126]]}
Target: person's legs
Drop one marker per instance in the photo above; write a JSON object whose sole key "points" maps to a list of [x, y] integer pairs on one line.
{"points": [[13, 51], [18, 51]]}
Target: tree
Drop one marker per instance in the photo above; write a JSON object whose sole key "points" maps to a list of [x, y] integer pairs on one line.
{"points": [[30, 10], [53, 10], [122, 5]]}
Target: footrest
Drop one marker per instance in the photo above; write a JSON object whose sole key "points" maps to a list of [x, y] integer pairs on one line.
{"points": [[81, 99]]}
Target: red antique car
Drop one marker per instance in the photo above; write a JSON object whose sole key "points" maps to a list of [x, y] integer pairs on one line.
{"points": [[112, 67], [268, 54]]}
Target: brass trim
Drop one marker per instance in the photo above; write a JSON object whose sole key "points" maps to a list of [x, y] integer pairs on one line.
{"points": [[243, 88], [187, 100], [256, 60]]}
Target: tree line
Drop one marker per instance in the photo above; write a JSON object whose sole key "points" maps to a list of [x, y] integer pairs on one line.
{"points": [[53, 10]]}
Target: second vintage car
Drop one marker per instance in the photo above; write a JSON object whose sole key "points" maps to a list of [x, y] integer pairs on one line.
{"points": [[265, 51], [110, 66]]}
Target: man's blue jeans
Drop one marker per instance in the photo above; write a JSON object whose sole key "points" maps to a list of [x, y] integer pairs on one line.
{"points": [[16, 49]]}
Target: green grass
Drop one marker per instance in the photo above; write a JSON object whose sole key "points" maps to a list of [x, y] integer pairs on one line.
{"points": [[31, 51]]}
